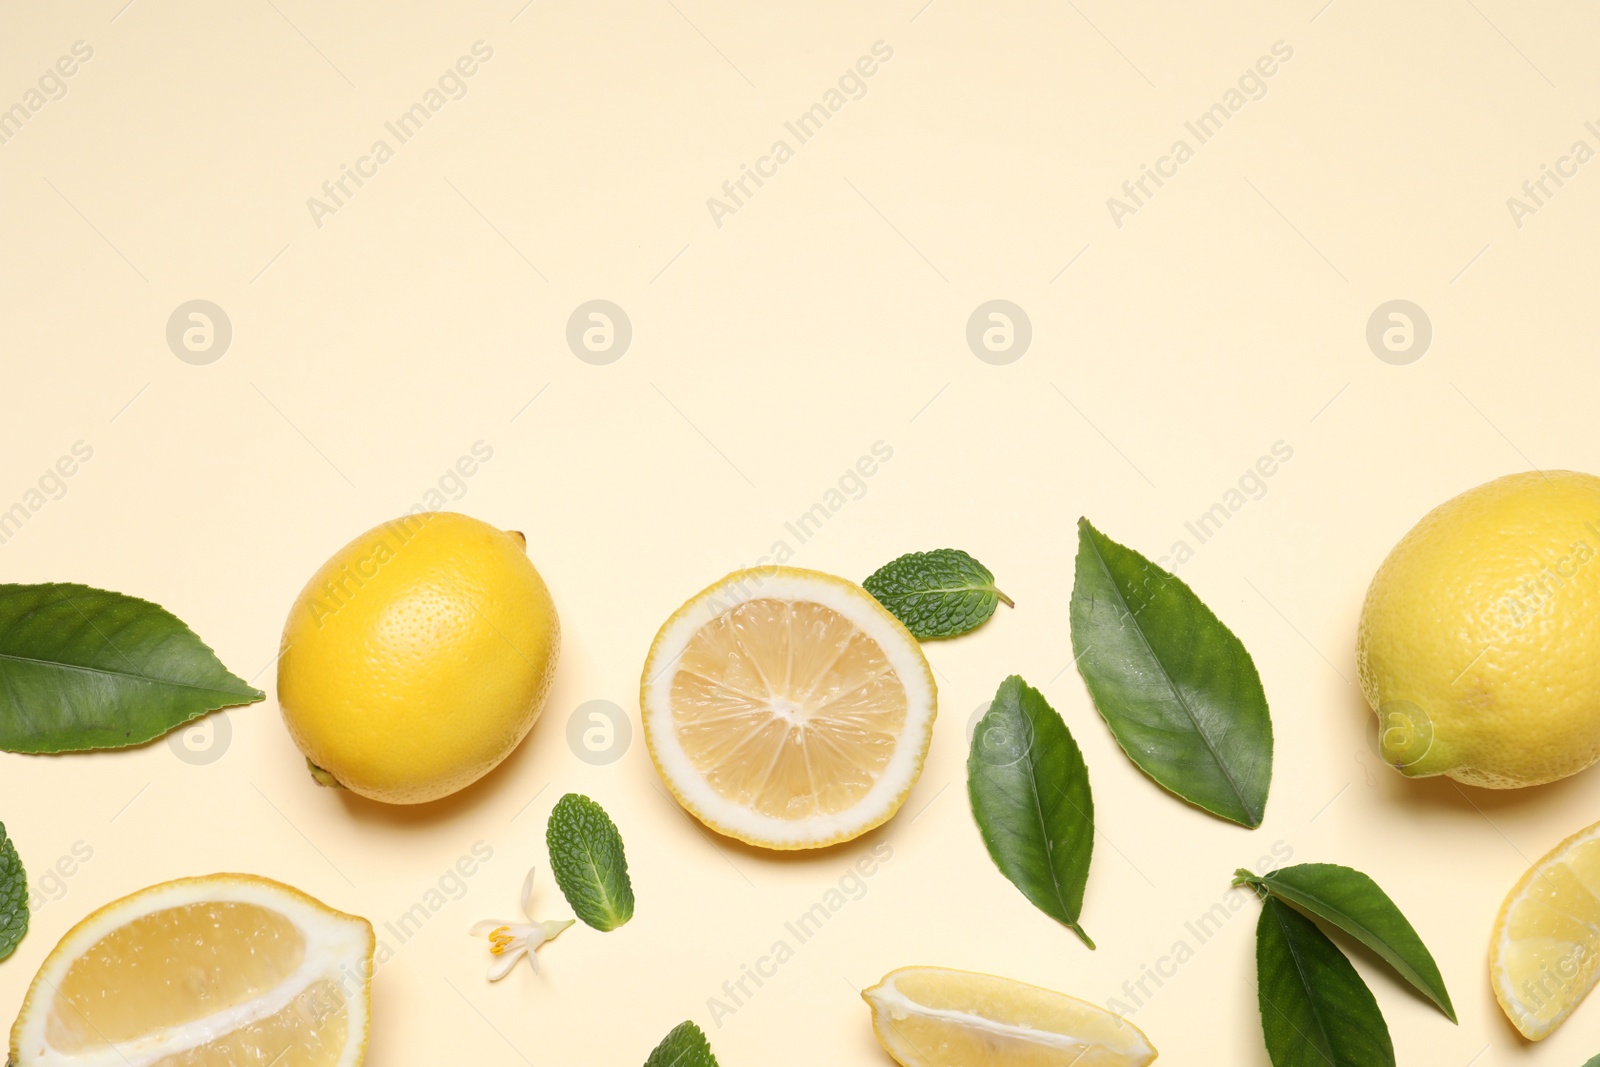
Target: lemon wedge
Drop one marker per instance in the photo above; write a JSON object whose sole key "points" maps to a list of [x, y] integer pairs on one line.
{"points": [[787, 708], [1544, 954], [203, 972], [935, 1017]]}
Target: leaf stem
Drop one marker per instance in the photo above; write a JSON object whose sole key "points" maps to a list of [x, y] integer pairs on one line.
{"points": [[1244, 877]]}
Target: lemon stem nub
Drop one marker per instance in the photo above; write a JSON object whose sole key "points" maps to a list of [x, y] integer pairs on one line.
{"points": [[322, 777]]}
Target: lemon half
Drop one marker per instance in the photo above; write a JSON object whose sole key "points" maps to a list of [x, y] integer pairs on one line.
{"points": [[203, 972], [935, 1017], [787, 708], [1544, 954]]}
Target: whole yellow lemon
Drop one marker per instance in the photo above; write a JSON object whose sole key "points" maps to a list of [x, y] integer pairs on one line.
{"points": [[1479, 643], [418, 657]]}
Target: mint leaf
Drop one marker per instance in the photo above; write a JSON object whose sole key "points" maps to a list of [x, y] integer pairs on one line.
{"points": [[1353, 902], [1029, 791], [13, 896], [1315, 1009], [937, 594], [83, 668], [686, 1046], [587, 858], [1177, 688]]}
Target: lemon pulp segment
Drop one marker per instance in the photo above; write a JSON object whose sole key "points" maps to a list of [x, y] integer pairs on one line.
{"points": [[787, 708]]}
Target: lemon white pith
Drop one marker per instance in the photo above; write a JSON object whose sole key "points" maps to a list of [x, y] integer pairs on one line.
{"points": [[203, 972], [787, 708], [1544, 955], [936, 1017]]}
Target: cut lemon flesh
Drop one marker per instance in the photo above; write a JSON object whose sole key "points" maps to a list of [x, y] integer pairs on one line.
{"points": [[787, 708], [223, 971], [1544, 954], [935, 1017]]}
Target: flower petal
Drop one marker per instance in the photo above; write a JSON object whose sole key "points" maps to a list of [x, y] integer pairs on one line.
{"points": [[503, 963], [488, 926], [527, 892]]}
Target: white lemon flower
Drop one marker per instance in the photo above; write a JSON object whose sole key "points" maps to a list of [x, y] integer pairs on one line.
{"points": [[510, 941]]}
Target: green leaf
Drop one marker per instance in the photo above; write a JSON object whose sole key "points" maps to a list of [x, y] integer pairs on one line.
{"points": [[82, 668], [1030, 796], [1353, 902], [937, 594], [1178, 690], [1315, 1009], [587, 858], [13, 896], [686, 1046], [1593, 1063]]}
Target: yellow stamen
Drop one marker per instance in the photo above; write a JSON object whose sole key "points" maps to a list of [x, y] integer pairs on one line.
{"points": [[499, 939]]}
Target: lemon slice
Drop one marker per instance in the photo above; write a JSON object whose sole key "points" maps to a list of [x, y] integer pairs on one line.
{"points": [[204, 972], [1544, 954], [787, 708], [935, 1017]]}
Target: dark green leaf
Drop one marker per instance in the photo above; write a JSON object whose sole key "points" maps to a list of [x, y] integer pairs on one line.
{"points": [[1593, 1063], [686, 1046], [82, 668], [587, 858], [13, 896], [1178, 690], [1353, 902], [1315, 1009], [1030, 796], [937, 594]]}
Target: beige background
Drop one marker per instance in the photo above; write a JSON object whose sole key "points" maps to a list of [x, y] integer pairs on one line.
{"points": [[769, 353]]}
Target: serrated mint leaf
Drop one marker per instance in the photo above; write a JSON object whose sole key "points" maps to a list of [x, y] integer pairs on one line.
{"points": [[587, 858], [686, 1046], [83, 668], [1029, 791], [937, 594], [1177, 688], [1315, 1009], [13, 896], [1353, 902]]}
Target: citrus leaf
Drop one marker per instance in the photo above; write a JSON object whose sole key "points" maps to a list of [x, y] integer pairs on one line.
{"points": [[1177, 688], [83, 668], [685, 1046], [1353, 902], [587, 858], [937, 594], [1315, 1009], [13, 896], [1029, 791]]}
